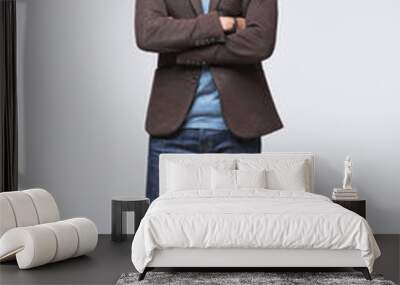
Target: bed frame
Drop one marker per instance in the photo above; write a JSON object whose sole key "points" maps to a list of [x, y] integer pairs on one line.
{"points": [[237, 259]]}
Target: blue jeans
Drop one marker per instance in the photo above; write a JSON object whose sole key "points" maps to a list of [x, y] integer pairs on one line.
{"points": [[193, 141]]}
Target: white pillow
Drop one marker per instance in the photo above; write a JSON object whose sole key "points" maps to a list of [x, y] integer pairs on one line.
{"points": [[192, 175], [282, 174], [225, 179], [251, 179]]}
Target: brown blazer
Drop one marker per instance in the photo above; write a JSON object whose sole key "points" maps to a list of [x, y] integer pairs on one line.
{"points": [[186, 40]]}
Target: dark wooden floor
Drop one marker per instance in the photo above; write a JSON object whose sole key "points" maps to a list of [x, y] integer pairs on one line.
{"points": [[110, 260], [103, 266]]}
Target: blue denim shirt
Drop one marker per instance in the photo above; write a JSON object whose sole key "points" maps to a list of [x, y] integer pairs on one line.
{"points": [[205, 112]]}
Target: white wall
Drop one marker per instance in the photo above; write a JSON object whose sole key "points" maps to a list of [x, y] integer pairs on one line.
{"points": [[84, 87]]}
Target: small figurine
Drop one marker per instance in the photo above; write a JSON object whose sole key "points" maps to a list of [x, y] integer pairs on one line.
{"points": [[347, 174]]}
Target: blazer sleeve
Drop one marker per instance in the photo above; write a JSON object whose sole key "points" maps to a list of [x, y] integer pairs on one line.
{"points": [[251, 45], [157, 32]]}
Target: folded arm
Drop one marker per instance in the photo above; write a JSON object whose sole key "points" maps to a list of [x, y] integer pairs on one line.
{"points": [[251, 45], [157, 32]]}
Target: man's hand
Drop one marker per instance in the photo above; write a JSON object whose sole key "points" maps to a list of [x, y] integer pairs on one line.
{"points": [[227, 23], [241, 23]]}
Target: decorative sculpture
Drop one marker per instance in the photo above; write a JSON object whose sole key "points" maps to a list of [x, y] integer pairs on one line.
{"points": [[347, 174]]}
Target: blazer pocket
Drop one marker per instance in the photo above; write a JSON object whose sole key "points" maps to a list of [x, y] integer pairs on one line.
{"points": [[230, 8]]}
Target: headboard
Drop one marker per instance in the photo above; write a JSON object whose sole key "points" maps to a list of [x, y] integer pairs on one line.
{"points": [[306, 156]]}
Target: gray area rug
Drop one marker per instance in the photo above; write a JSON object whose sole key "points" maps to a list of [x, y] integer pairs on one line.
{"points": [[269, 278]]}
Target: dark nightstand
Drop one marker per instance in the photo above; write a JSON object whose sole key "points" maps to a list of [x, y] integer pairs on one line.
{"points": [[357, 206], [119, 206]]}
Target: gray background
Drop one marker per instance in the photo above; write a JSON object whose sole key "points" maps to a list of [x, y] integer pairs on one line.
{"points": [[84, 86]]}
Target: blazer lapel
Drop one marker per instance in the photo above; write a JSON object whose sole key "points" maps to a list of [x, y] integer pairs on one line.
{"points": [[196, 5], [214, 4]]}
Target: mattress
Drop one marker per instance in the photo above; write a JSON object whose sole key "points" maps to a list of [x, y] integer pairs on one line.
{"points": [[250, 219]]}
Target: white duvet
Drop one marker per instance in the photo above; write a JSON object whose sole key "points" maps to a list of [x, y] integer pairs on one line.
{"points": [[250, 219]]}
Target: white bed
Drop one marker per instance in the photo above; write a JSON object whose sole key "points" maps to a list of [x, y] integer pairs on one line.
{"points": [[249, 227]]}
